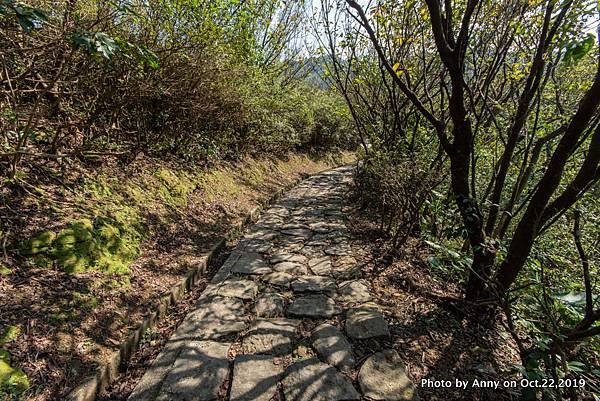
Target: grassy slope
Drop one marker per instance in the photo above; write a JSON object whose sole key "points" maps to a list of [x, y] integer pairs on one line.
{"points": [[93, 253]]}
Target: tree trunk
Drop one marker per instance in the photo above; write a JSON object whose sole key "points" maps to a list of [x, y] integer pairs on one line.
{"points": [[483, 256], [527, 229]]}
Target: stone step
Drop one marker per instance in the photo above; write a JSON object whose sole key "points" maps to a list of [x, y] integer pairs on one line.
{"points": [[333, 347], [255, 378], [271, 336], [251, 263], [313, 380], [293, 268], [382, 377], [312, 283], [366, 321], [198, 373], [313, 306], [353, 292], [214, 317], [270, 304]]}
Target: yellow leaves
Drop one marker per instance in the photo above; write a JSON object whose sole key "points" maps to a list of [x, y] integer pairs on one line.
{"points": [[519, 70], [424, 12], [404, 41], [399, 71], [534, 3]]}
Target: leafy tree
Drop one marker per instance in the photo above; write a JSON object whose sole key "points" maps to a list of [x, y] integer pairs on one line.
{"points": [[505, 124], [472, 79]]}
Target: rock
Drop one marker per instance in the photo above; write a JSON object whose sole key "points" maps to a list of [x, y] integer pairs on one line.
{"points": [[339, 229], [317, 243], [346, 272], [336, 213], [294, 225], [346, 268], [354, 292], [290, 245], [303, 233], [341, 249], [313, 306], [345, 260], [272, 222], [309, 214], [262, 233], [198, 372], [366, 321], [320, 227], [149, 385], [333, 347], [273, 215], [269, 304], [277, 211], [312, 380], [251, 263], [320, 237], [293, 268], [255, 378], [311, 251], [270, 336], [260, 246], [278, 249], [280, 279], [313, 284], [339, 237], [320, 266], [225, 271], [212, 318], [302, 351], [330, 210], [288, 257], [238, 288], [382, 377]]}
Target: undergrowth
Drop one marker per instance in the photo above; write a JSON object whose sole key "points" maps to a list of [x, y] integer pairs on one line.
{"points": [[103, 226]]}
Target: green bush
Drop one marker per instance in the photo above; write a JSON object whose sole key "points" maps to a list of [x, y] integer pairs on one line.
{"points": [[184, 80]]}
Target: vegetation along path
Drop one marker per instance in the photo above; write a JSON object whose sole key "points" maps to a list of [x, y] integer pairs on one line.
{"points": [[280, 317]]}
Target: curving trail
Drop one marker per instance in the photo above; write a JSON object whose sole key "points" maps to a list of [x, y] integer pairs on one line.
{"points": [[282, 315]]}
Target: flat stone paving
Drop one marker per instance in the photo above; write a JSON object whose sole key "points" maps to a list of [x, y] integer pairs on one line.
{"points": [[245, 340]]}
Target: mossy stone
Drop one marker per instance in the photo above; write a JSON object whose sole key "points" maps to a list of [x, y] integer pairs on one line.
{"points": [[39, 244], [12, 380], [106, 244], [10, 333], [4, 271]]}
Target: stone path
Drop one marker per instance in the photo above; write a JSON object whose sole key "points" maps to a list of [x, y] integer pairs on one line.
{"points": [[279, 319]]}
